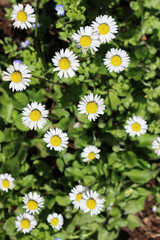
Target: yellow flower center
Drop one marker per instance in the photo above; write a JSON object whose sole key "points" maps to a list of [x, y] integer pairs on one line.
{"points": [[116, 61], [35, 115], [103, 29], [79, 197], [159, 147], [21, 16], [64, 63], [54, 221], [25, 223], [91, 203], [136, 127], [91, 107], [55, 141], [5, 183], [85, 41], [16, 77], [91, 156], [32, 205], [128, 192]]}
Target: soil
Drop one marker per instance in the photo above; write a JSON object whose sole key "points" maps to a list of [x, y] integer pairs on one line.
{"points": [[150, 222], [150, 225]]}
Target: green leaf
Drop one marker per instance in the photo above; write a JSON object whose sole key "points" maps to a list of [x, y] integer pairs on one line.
{"points": [[63, 200], [9, 226]]}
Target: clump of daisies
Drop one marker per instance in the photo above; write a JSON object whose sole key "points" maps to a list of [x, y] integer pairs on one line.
{"points": [[25, 222], [116, 60], [19, 76], [87, 200], [156, 146], [66, 63], [90, 153], [136, 126], [34, 115], [86, 38], [106, 27], [33, 202], [55, 220], [92, 106], [56, 139], [23, 17], [6, 182]]}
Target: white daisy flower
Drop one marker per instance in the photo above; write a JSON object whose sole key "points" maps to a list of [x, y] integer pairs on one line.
{"points": [[76, 195], [116, 60], [156, 146], [6, 182], [66, 63], [136, 126], [128, 192], [33, 202], [91, 202], [25, 222], [34, 115], [19, 75], [23, 16], [91, 106], [106, 27], [56, 139], [56, 220], [86, 38], [89, 153]]}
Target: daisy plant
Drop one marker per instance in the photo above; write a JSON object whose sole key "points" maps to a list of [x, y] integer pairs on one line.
{"points": [[106, 27], [56, 139], [92, 106], [23, 16], [90, 152], [19, 76], [34, 115], [76, 195], [6, 182], [116, 60], [136, 126], [66, 63], [33, 202], [25, 222], [55, 220]]}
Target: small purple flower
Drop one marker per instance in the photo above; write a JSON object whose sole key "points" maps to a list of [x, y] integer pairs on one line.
{"points": [[60, 9], [57, 239], [17, 61], [25, 44], [34, 25], [154, 209]]}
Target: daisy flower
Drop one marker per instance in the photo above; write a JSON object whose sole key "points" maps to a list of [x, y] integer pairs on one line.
{"points": [[6, 182], [128, 192], [56, 139], [19, 75], [116, 60], [56, 220], [92, 106], [89, 153], [136, 126], [23, 16], [76, 195], [25, 222], [156, 146], [86, 38], [91, 202], [106, 27], [66, 63], [33, 202], [34, 115], [60, 9]]}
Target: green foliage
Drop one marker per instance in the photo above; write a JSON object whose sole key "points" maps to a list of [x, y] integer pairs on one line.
{"points": [[125, 162]]}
